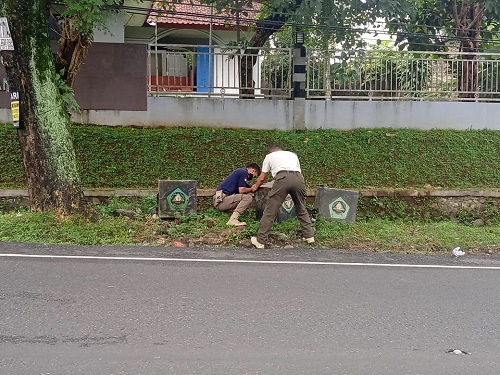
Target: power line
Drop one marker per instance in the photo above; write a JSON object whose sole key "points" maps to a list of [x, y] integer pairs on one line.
{"points": [[317, 26], [320, 18], [441, 38]]}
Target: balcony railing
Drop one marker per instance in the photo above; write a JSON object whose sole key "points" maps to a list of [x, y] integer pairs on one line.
{"points": [[402, 75], [220, 71]]}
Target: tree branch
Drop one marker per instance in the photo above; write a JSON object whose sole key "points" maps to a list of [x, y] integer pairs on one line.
{"points": [[478, 15]]}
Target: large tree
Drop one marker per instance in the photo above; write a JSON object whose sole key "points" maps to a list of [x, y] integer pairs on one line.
{"points": [[44, 135], [467, 25], [337, 21]]}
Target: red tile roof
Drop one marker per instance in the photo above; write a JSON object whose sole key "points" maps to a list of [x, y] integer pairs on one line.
{"points": [[192, 14]]}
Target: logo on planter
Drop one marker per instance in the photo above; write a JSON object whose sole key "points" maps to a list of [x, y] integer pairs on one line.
{"points": [[177, 200], [338, 209], [288, 204]]}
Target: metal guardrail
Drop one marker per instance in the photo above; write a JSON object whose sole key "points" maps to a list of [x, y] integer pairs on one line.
{"points": [[403, 75], [196, 70]]}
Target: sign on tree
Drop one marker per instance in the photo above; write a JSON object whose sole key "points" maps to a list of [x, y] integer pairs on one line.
{"points": [[5, 39]]}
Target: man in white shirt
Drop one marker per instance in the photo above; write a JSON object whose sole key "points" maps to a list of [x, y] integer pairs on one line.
{"points": [[284, 167]]}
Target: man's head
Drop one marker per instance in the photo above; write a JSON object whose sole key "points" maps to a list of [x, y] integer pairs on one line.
{"points": [[253, 170], [274, 147]]}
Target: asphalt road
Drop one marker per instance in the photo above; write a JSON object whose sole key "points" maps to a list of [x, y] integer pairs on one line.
{"points": [[144, 310]]}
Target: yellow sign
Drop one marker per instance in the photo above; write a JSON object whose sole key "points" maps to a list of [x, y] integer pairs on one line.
{"points": [[14, 106]]}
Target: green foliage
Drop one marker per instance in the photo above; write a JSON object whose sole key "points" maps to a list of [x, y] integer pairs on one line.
{"points": [[489, 77], [67, 94], [122, 157], [429, 24], [276, 69], [25, 226], [389, 208], [86, 14], [377, 234], [141, 206], [379, 70]]}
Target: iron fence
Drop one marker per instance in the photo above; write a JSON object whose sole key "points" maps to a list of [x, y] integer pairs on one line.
{"points": [[403, 75], [195, 70]]}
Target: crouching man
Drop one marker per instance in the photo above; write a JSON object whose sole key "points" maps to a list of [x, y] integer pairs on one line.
{"points": [[234, 193]]}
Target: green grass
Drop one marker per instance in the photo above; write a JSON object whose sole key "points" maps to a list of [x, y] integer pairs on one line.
{"points": [[126, 157], [25, 226], [208, 227]]}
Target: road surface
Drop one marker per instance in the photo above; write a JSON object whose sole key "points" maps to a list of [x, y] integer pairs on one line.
{"points": [[156, 310]]}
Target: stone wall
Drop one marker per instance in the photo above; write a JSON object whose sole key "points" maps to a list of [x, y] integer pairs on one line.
{"points": [[476, 207]]}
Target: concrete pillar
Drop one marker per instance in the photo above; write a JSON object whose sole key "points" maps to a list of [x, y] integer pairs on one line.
{"points": [[299, 87]]}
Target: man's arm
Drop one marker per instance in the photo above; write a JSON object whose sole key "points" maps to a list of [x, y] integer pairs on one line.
{"points": [[260, 181], [244, 190]]}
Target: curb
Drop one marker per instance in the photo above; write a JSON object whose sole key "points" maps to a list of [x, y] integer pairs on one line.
{"points": [[13, 193]]}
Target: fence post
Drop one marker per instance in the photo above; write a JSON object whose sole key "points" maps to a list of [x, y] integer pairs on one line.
{"points": [[299, 83]]}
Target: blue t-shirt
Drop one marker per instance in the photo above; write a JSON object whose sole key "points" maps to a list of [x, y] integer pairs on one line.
{"points": [[231, 183]]}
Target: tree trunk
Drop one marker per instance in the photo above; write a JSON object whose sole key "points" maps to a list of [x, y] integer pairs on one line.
{"points": [[46, 146], [468, 23], [467, 80], [73, 48], [264, 29]]}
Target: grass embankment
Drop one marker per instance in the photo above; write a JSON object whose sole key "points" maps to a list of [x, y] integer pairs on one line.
{"points": [[380, 158], [137, 158]]}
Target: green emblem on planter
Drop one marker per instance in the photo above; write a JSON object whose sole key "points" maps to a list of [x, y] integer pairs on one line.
{"points": [[177, 200], [338, 209], [288, 204]]}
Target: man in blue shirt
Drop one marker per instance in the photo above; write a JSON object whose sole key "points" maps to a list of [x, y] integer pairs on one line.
{"points": [[234, 193]]}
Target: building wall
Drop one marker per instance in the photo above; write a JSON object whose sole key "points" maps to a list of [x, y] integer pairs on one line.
{"points": [[114, 31], [113, 77], [318, 114]]}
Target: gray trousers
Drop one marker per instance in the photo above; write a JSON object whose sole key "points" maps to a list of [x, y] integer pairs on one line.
{"points": [[284, 184], [236, 202]]}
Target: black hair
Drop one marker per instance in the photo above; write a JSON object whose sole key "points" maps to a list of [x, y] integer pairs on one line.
{"points": [[274, 147], [254, 166]]}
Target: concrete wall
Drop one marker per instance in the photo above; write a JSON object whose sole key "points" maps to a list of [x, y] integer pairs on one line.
{"points": [[236, 113], [407, 114], [318, 114], [279, 114]]}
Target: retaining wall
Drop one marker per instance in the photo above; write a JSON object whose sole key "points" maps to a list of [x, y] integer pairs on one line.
{"points": [[477, 206]]}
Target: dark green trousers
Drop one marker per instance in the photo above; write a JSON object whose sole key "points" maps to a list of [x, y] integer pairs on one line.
{"points": [[285, 183]]}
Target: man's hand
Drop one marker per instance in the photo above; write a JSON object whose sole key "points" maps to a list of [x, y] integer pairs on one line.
{"points": [[260, 181]]}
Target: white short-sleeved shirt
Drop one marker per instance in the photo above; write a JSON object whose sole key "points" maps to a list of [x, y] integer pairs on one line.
{"points": [[280, 161]]}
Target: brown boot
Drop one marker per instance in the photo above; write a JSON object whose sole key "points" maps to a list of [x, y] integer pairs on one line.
{"points": [[233, 220]]}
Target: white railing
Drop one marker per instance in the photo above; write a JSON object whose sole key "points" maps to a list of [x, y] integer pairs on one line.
{"points": [[219, 71], [191, 70], [403, 75]]}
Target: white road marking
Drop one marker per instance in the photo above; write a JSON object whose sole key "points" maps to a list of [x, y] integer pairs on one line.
{"points": [[85, 257]]}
